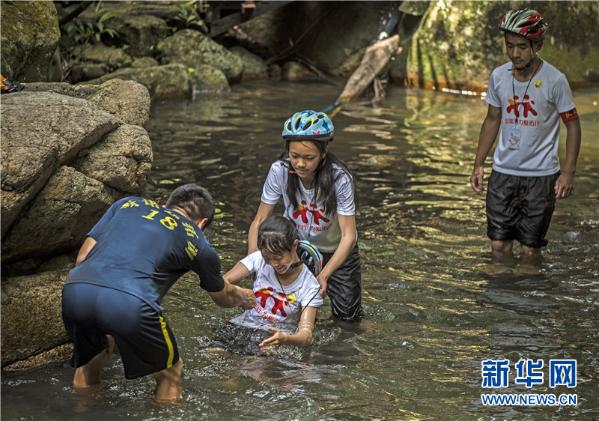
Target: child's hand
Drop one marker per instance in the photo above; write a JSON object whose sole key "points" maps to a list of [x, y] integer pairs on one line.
{"points": [[278, 338], [247, 298]]}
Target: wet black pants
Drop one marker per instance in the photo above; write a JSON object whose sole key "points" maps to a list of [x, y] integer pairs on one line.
{"points": [[345, 288]]}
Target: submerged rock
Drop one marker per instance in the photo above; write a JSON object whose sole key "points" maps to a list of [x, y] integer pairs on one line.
{"points": [[208, 79]]}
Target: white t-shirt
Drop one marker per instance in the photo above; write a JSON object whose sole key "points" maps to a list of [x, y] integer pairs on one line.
{"points": [[530, 146], [278, 305], [309, 218]]}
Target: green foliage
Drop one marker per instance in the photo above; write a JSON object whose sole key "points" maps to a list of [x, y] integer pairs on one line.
{"points": [[188, 16], [82, 32]]}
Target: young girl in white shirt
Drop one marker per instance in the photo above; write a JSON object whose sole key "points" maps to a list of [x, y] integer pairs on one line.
{"points": [[287, 292]]}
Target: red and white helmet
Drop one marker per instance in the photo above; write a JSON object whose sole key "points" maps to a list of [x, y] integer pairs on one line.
{"points": [[525, 22]]}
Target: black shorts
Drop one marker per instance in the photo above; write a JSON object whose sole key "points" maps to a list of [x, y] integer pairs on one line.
{"points": [[345, 288], [144, 340], [520, 208]]}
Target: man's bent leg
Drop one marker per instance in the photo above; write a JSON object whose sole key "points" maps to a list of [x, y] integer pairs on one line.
{"points": [[169, 385], [89, 375]]}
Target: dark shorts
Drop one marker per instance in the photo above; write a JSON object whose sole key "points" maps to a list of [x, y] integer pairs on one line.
{"points": [[345, 288], [144, 340], [520, 208]]}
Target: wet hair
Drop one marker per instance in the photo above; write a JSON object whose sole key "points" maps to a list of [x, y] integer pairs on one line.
{"points": [[324, 178], [194, 200], [277, 235]]}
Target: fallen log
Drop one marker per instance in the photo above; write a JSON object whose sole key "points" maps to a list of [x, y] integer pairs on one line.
{"points": [[375, 59]]}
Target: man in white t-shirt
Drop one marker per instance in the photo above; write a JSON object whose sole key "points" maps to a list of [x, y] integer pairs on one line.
{"points": [[526, 98]]}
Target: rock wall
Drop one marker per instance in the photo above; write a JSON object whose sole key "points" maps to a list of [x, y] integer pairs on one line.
{"points": [[458, 43], [67, 153]]}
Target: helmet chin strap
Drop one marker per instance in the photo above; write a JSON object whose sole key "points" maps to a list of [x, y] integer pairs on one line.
{"points": [[292, 266]]}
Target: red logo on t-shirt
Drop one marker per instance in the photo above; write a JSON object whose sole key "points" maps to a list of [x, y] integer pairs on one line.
{"points": [[280, 300], [302, 212], [527, 103]]}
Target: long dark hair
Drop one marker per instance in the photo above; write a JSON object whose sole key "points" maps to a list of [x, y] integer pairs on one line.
{"points": [[324, 179]]}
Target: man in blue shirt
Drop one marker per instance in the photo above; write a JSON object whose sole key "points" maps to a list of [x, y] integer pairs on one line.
{"points": [[127, 263]]}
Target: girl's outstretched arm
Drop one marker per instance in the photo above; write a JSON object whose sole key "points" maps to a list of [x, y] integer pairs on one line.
{"points": [[236, 273], [301, 337]]}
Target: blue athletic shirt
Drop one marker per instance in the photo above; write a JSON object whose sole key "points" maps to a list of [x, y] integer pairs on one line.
{"points": [[142, 249]]}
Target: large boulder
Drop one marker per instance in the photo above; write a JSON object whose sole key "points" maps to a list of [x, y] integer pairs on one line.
{"points": [[59, 217], [97, 60], [193, 49], [30, 36], [169, 81], [40, 131], [254, 68], [113, 57], [122, 161], [126, 99], [458, 43], [266, 34], [31, 315], [140, 32], [82, 158]]}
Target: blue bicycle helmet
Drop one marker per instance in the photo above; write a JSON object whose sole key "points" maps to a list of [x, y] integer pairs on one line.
{"points": [[308, 125], [310, 256]]}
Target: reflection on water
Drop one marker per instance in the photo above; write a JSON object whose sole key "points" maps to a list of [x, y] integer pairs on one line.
{"points": [[435, 305]]}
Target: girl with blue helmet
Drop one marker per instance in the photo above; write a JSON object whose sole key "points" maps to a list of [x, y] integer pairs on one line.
{"points": [[318, 193]]}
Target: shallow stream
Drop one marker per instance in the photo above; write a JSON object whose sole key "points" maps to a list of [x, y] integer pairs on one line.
{"points": [[435, 306]]}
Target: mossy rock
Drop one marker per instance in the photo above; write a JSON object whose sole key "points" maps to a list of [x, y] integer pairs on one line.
{"points": [[254, 68], [208, 79], [169, 81], [114, 57], [145, 62], [30, 36], [194, 49]]}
